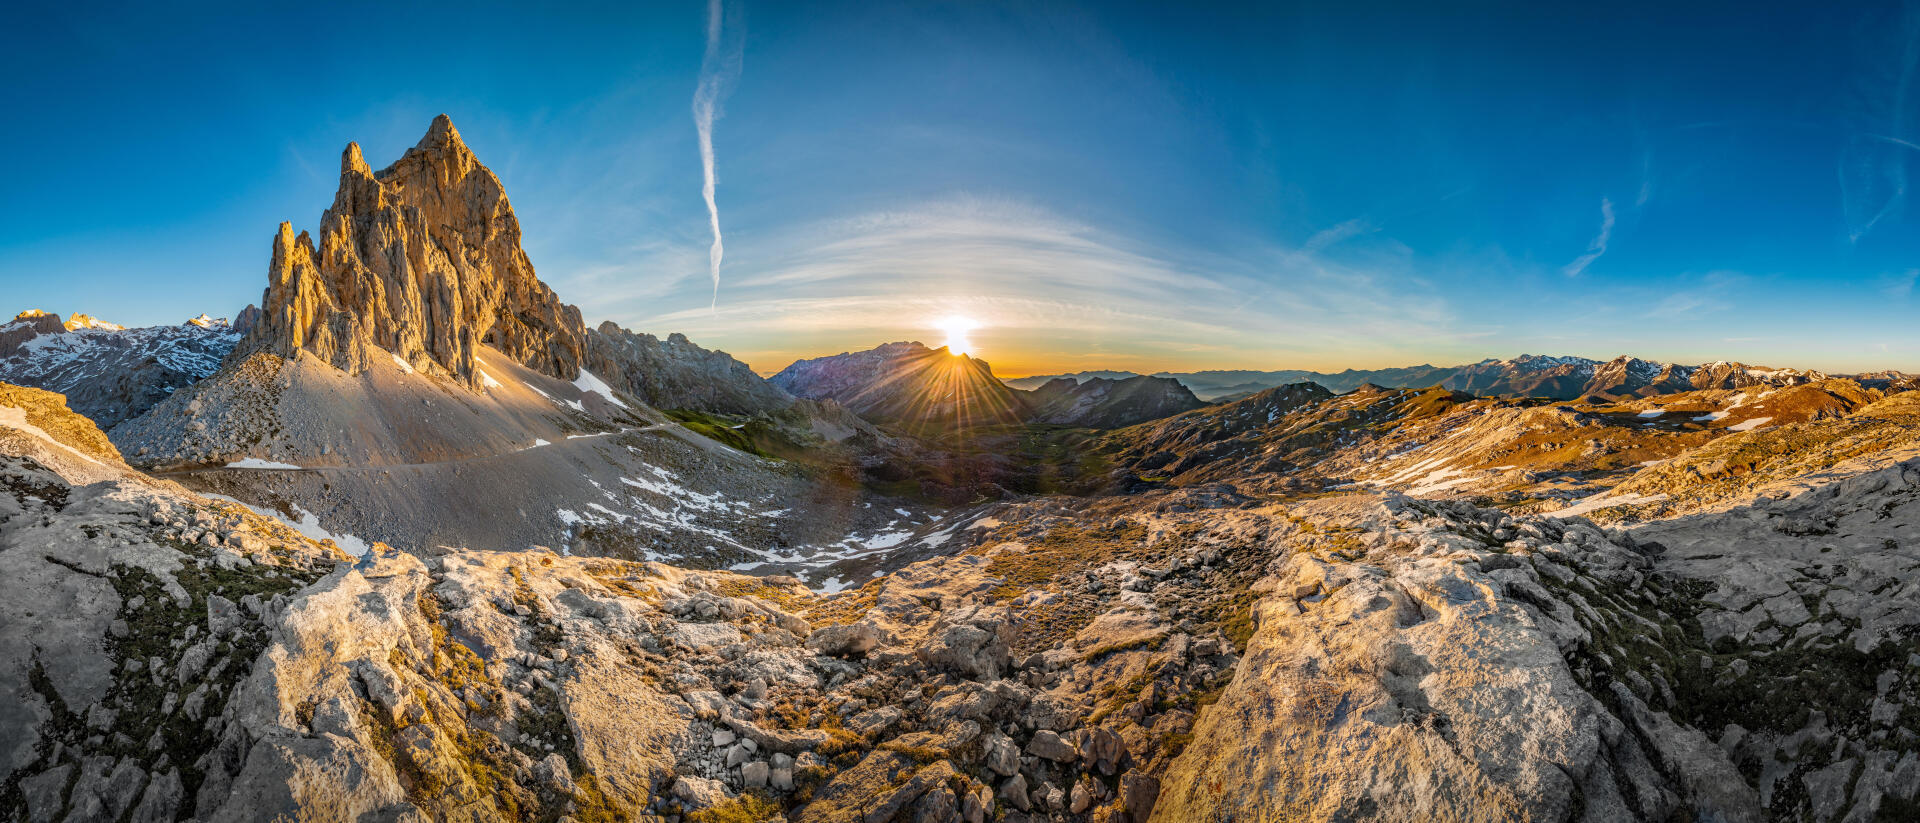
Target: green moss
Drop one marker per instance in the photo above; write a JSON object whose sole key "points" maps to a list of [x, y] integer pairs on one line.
{"points": [[158, 627]]}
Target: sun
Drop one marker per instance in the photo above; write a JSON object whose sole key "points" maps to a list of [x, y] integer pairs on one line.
{"points": [[956, 328]]}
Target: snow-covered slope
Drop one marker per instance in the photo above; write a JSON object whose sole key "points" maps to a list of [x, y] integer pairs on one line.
{"points": [[109, 373]]}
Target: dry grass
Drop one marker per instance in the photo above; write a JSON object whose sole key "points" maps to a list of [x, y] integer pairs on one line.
{"points": [[843, 608], [1066, 548]]}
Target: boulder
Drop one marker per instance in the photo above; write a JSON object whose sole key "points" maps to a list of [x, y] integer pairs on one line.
{"points": [[1052, 746], [853, 640]]}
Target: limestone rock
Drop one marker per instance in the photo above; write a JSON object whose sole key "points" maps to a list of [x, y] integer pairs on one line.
{"points": [[1051, 746], [421, 259], [849, 640]]}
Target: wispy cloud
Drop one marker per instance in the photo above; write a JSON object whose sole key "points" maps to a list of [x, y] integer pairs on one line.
{"points": [[1712, 292], [1598, 246], [719, 68], [1043, 284], [1335, 234]]}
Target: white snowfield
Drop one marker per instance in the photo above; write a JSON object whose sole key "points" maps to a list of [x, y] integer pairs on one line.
{"points": [[1749, 425]]}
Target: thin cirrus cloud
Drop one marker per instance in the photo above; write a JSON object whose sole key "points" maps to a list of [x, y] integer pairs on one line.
{"points": [[1598, 246], [1037, 280], [719, 70], [1339, 232]]}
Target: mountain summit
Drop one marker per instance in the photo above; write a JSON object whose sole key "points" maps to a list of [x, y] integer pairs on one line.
{"points": [[422, 259]]}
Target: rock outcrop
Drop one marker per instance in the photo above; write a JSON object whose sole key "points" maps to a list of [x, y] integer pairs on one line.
{"points": [[421, 259], [132, 611]]}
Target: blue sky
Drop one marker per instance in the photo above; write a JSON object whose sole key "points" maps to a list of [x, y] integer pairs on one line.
{"points": [[1146, 186]]}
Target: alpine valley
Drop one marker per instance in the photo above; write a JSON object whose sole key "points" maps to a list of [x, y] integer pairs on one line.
{"points": [[411, 541]]}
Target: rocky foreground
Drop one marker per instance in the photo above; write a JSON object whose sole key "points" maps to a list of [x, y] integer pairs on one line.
{"points": [[1178, 655]]}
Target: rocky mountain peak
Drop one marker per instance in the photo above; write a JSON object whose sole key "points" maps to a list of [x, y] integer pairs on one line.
{"points": [[248, 317], [353, 162], [422, 259], [26, 326], [88, 321]]}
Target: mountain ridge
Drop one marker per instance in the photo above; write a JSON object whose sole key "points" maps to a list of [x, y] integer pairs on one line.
{"points": [[1557, 377]]}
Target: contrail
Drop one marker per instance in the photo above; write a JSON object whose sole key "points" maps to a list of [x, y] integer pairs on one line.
{"points": [[1598, 246], [718, 69]]}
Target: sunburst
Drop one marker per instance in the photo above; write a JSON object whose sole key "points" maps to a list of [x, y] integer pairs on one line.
{"points": [[957, 329]]}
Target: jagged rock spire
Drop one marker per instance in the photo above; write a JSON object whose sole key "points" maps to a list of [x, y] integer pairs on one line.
{"points": [[422, 259]]}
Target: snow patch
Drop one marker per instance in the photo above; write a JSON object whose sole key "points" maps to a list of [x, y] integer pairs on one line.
{"points": [[1749, 425], [589, 383], [257, 463], [307, 525], [1605, 501], [17, 418]]}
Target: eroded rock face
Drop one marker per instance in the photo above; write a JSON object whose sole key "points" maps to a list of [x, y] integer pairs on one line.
{"points": [[421, 259], [676, 374]]}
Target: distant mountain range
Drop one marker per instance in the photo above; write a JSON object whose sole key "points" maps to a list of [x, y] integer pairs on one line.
{"points": [[1560, 378], [108, 372], [910, 385]]}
